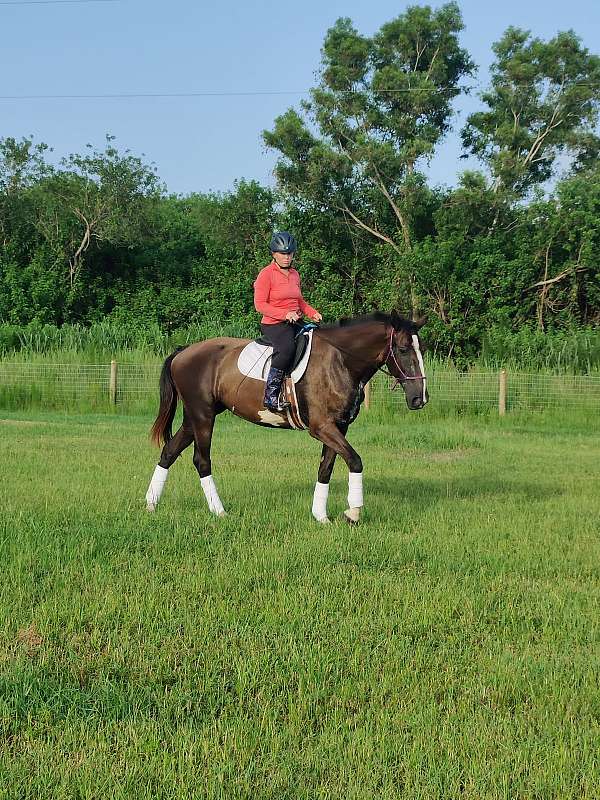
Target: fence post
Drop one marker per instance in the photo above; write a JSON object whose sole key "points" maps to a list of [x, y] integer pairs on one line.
{"points": [[502, 393], [367, 395], [112, 384]]}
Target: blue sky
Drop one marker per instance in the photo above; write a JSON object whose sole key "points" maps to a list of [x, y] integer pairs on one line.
{"points": [[205, 143]]}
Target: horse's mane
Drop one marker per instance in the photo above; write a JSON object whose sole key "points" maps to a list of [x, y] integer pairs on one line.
{"points": [[398, 322]]}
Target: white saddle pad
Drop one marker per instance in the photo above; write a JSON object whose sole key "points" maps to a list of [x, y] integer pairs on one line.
{"points": [[255, 360]]}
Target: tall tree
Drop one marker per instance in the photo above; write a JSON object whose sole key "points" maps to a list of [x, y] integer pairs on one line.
{"points": [[543, 101], [381, 106], [97, 197]]}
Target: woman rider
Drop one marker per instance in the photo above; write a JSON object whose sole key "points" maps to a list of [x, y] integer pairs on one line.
{"points": [[278, 297]]}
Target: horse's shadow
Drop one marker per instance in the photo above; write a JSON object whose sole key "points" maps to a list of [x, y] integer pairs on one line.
{"points": [[417, 490], [419, 494]]}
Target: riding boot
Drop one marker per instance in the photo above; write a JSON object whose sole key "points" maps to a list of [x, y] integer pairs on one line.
{"points": [[273, 401]]}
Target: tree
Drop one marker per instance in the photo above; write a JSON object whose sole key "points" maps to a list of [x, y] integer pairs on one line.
{"points": [[97, 197], [382, 105], [563, 238], [22, 164], [544, 101]]}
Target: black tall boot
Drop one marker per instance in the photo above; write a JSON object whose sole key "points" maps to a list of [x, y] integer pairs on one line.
{"points": [[272, 390]]}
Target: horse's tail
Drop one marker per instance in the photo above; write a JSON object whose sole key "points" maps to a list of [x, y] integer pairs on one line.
{"points": [[161, 430]]}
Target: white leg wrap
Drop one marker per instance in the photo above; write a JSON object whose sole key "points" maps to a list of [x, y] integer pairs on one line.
{"points": [[157, 484], [212, 496], [355, 489], [319, 506]]}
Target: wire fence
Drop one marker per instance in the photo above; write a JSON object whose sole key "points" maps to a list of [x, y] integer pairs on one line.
{"points": [[505, 392], [134, 387]]}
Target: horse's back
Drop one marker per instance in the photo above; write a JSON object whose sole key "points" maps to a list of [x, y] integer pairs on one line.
{"points": [[207, 350]]}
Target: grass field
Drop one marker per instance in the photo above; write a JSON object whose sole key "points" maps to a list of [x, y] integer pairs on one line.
{"points": [[446, 648]]}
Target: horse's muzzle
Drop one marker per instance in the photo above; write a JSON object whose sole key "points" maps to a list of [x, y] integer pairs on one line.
{"points": [[416, 403]]}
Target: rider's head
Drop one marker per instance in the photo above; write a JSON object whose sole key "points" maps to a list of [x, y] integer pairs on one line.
{"points": [[283, 246]]}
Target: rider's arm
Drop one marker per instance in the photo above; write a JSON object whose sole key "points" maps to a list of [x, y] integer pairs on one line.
{"points": [[307, 310]]}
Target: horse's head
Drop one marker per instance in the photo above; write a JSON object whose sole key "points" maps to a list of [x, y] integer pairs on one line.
{"points": [[404, 360]]}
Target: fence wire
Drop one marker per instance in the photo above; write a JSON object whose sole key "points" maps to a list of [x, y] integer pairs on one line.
{"points": [[72, 386]]}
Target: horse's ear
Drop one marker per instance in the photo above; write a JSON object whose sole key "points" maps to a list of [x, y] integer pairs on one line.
{"points": [[420, 321], [396, 319]]}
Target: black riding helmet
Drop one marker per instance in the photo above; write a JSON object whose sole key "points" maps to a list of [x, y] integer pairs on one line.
{"points": [[283, 242]]}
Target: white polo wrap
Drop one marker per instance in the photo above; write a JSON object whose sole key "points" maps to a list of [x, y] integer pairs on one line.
{"points": [[319, 506], [157, 484], [212, 496], [355, 489]]}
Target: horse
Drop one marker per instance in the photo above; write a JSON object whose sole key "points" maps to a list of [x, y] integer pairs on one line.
{"points": [[344, 357]]}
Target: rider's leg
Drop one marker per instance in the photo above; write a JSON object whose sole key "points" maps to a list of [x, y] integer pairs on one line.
{"points": [[282, 338]]}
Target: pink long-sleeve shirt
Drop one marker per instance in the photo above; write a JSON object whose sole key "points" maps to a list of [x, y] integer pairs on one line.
{"points": [[276, 293]]}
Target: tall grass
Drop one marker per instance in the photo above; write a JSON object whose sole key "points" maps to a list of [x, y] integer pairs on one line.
{"points": [[106, 339], [575, 351]]}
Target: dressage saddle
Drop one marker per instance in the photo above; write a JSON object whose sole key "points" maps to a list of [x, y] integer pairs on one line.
{"points": [[301, 344]]}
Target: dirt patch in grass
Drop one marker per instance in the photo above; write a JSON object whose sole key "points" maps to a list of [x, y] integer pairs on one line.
{"points": [[30, 639]]}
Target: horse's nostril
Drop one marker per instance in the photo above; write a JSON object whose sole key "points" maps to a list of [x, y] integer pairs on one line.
{"points": [[416, 402]]}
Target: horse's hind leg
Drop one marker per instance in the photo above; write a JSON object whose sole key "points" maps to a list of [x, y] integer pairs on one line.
{"points": [[170, 453], [203, 428]]}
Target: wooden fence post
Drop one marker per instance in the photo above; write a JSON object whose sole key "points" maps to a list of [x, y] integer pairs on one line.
{"points": [[502, 393], [367, 395], [112, 384]]}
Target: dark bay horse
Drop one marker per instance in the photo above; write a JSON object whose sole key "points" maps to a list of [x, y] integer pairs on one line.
{"points": [[344, 357]]}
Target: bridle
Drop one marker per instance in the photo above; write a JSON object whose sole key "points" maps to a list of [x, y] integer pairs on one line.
{"points": [[403, 376], [389, 353]]}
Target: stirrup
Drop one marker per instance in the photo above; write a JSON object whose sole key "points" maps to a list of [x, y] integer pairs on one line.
{"points": [[279, 407]]}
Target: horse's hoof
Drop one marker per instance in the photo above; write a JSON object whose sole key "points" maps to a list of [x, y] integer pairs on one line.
{"points": [[352, 516], [151, 507], [322, 520]]}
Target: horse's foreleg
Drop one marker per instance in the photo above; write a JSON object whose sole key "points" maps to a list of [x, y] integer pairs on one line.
{"points": [[321, 493], [203, 428], [170, 453], [334, 439]]}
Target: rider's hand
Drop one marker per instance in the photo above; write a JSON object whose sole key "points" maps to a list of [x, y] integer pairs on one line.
{"points": [[317, 317], [293, 316]]}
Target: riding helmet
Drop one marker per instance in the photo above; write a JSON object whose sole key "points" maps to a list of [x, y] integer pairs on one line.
{"points": [[283, 242]]}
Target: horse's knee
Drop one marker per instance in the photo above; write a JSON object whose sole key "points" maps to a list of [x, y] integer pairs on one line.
{"points": [[202, 464], [355, 463]]}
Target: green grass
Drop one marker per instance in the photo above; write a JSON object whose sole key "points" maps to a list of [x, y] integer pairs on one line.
{"points": [[448, 647]]}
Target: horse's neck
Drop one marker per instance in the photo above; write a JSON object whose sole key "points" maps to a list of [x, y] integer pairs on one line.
{"points": [[359, 347]]}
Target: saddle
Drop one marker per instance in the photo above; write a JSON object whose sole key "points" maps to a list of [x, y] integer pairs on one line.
{"points": [[301, 345], [254, 360]]}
